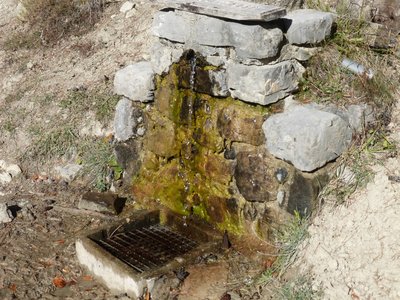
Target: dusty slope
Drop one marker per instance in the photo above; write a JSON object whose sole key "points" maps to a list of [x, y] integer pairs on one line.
{"points": [[354, 249], [76, 62]]}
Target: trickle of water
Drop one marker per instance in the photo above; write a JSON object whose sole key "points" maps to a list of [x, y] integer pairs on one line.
{"points": [[193, 63], [192, 80], [187, 186]]}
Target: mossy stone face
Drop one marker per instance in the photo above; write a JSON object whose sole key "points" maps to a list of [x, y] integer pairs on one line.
{"points": [[184, 166], [241, 125], [161, 137]]}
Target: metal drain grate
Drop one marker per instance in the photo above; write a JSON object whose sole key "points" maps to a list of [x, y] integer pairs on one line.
{"points": [[147, 248]]}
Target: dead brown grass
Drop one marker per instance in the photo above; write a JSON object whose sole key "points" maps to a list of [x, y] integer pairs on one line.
{"points": [[52, 20]]}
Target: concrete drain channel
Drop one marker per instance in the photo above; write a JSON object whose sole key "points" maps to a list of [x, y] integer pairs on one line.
{"points": [[128, 257]]}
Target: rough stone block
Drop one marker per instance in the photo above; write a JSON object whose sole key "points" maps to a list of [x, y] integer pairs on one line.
{"points": [[254, 177], [263, 84], [128, 157], [307, 137], [216, 56], [219, 86], [304, 190], [193, 29], [164, 54], [136, 82], [102, 202], [358, 116], [239, 125], [161, 138], [299, 53], [124, 120], [308, 26]]}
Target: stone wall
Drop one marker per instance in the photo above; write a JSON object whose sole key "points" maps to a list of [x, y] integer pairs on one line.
{"points": [[209, 126]]}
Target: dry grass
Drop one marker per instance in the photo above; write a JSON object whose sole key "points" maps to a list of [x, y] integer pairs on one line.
{"points": [[327, 81], [288, 239], [52, 20]]}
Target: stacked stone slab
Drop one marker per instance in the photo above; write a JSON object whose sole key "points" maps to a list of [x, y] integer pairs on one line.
{"points": [[257, 63]]}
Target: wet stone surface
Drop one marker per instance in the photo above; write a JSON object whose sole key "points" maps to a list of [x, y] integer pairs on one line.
{"points": [[254, 178]]}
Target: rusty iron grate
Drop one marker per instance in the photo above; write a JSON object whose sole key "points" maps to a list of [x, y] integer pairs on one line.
{"points": [[147, 248]]}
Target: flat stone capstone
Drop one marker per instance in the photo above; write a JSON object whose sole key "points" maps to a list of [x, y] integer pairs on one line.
{"points": [[229, 9]]}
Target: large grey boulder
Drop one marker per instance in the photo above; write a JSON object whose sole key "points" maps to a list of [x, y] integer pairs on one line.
{"points": [[308, 26], [263, 84], [249, 41], [136, 82], [306, 136]]}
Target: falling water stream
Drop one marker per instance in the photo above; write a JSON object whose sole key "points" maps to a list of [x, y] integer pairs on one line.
{"points": [[190, 102], [192, 80]]}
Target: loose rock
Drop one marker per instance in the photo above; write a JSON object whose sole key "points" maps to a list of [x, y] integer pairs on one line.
{"points": [[102, 202], [68, 172], [5, 178], [8, 172], [5, 214], [127, 6]]}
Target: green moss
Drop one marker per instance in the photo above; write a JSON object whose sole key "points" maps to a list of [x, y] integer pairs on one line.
{"points": [[201, 212], [232, 225], [210, 68]]}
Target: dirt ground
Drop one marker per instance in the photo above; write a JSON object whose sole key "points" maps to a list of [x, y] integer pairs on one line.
{"points": [[353, 251]]}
